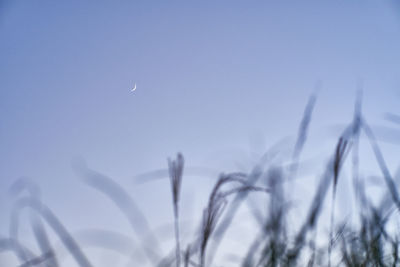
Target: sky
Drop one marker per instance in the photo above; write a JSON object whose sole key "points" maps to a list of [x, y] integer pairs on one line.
{"points": [[216, 80]]}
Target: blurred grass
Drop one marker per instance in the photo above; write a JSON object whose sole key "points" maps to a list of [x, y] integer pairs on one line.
{"points": [[371, 240]]}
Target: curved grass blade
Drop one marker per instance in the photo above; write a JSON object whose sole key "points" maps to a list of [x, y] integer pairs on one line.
{"points": [[126, 205], [54, 223]]}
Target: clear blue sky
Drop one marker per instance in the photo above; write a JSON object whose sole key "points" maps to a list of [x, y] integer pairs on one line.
{"points": [[209, 74]]}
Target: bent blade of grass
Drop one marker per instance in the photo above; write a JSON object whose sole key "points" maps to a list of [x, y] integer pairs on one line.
{"points": [[8, 244], [25, 184], [231, 212], [109, 240], [382, 164], [216, 205], [39, 260], [126, 205], [210, 218], [56, 225], [43, 241]]}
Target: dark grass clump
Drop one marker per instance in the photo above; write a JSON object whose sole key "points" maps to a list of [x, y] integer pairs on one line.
{"points": [[371, 240]]}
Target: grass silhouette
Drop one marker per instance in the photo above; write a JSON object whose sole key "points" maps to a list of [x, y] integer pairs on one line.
{"points": [[278, 243]]}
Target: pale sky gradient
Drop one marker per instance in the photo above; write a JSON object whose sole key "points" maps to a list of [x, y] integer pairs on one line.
{"points": [[211, 77]]}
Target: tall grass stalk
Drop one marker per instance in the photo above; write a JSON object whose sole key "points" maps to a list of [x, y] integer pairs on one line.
{"points": [[175, 175]]}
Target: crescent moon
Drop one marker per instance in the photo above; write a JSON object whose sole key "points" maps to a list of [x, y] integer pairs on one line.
{"points": [[134, 88]]}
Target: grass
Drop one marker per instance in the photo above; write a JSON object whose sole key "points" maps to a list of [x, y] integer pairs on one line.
{"points": [[369, 242]]}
